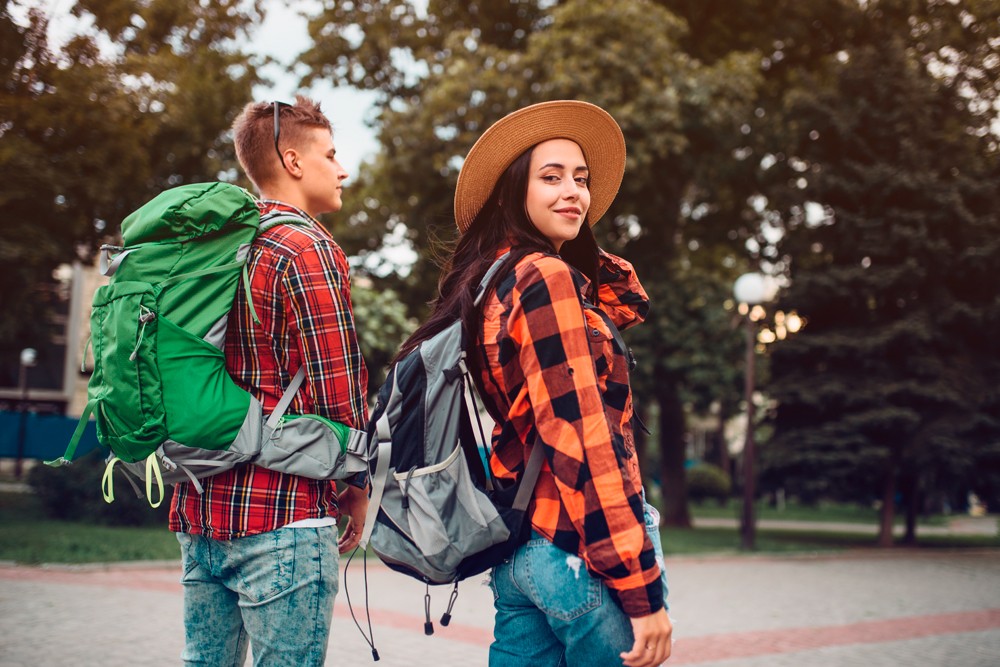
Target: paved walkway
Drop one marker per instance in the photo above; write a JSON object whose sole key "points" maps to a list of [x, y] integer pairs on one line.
{"points": [[860, 608]]}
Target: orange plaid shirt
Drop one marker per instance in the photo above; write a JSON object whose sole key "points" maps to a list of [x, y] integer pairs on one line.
{"points": [[554, 373]]}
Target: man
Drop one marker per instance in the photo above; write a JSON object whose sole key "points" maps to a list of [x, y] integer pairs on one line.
{"points": [[260, 551]]}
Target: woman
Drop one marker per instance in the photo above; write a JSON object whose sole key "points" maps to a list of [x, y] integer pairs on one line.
{"points": [[588, 588]]}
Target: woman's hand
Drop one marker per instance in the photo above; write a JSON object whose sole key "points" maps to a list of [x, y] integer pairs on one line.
{"points": [[652, 640]]}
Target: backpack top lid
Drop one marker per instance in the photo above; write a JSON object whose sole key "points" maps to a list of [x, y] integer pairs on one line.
{"points": [[190, 211]]}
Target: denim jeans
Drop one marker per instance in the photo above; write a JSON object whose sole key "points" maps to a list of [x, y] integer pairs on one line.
{"points": [[274, 590], [550, 612]]}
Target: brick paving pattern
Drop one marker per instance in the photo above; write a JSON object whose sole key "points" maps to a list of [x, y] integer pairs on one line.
{"points": [[860, 608]]}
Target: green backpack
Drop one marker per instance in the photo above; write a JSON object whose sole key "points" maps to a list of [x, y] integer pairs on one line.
{"points": [[160, 393]]}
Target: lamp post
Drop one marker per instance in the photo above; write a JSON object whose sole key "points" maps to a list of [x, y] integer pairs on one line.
{"points": [[28, 358], [749, 291]]}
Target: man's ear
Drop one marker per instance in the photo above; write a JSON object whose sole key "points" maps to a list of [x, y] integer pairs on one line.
{"points": [[293, 164]]}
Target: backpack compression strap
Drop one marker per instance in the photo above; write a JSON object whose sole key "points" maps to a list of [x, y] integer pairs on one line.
{"points": [[111, 258]]}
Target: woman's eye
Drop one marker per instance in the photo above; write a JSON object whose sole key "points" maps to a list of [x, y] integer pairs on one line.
{"points": [[550, 178], [583, 180]]}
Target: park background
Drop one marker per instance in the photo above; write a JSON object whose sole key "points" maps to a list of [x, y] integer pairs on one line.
{"points": [[844, 151]]}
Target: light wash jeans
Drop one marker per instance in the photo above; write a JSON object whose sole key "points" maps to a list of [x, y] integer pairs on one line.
{"points": [[274, 590], [550, 612]]}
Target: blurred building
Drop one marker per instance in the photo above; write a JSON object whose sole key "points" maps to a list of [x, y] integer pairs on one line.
{"points": [[56, 384]]}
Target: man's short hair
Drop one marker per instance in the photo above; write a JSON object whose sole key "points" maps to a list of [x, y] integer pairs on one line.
{"points": [[253, 134]]}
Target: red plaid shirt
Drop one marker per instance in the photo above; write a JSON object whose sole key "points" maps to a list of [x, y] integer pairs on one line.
{"points": [[556, 376], [300, 286]]}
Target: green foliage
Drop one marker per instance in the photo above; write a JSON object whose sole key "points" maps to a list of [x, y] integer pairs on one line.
{"points": [[892, 384], [73, 493], [706, 481], [382, 326], [137, 100], [466, 72]]}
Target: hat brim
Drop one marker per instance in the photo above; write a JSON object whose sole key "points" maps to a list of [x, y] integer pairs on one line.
{"points": [[590, 126]]}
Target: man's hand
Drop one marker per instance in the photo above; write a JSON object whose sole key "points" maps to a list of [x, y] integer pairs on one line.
{"points": [[652, 640], [353, 503]]}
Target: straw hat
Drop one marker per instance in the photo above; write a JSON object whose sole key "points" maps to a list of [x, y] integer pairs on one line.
{"points": [[591, 127]]}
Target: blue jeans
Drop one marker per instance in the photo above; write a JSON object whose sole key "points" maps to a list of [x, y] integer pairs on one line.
{"points": [[551, 612], [274, 590]]}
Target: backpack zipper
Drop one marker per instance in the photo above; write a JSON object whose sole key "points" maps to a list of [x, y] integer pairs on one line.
{"points": [[145, 316]]}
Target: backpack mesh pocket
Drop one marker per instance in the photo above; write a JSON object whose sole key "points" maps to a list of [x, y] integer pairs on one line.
{"points": [[473, 524]]}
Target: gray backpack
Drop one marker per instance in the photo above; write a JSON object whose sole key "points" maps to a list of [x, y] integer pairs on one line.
{"points": [[436, 513]]}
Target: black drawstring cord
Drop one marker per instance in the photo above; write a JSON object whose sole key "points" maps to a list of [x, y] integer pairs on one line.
{"points": [[428, 626], [446, 617], [347, 592]]}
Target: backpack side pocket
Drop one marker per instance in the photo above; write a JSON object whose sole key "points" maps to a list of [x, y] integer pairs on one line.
{"points": [[126, 388], [446, 516], [314, 447]]}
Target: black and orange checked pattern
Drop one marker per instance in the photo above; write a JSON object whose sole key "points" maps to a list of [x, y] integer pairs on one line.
{"points": [[300, 285], [553, 371]]}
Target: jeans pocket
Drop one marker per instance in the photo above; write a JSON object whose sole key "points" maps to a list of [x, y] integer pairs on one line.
{"points": [[653, 530], [266, 563], [188, 561], [556, 581]]}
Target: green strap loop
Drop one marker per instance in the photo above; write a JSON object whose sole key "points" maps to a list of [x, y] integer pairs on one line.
{"points": [[75, 440], [108, 481], [246, 291], [153, 468]]}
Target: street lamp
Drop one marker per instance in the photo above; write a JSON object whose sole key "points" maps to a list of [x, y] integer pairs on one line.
{"points": [[28, 358], [750, 291]]}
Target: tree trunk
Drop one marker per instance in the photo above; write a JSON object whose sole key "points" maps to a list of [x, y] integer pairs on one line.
{"points": [[720, 439], [912, 509], [641, 439], [888, 513], [672, 456]]}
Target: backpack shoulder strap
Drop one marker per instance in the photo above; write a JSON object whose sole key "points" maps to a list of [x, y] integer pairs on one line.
{"points": [[269, 221], [481, 290], [278, 217], [526, 487]]}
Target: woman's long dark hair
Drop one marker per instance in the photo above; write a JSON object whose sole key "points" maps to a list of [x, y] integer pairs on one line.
{"points": [[502, 220]]}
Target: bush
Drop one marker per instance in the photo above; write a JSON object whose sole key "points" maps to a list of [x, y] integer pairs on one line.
{"points": [[705, 481], [73, 493]]}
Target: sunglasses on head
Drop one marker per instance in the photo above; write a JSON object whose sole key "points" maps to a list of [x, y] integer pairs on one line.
{"points": [[277, 128]]}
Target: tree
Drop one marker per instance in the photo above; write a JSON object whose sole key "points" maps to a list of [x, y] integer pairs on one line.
{"points": [[891, 386], [383, 324], [90, 131], [447, 75]]}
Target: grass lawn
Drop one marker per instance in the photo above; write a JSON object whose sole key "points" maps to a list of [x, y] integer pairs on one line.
{"points": [[823, 511], [27, 536]]}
